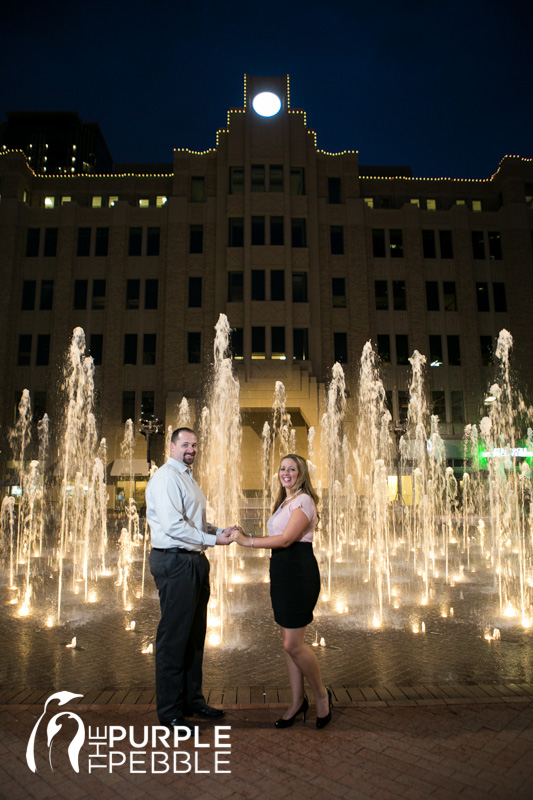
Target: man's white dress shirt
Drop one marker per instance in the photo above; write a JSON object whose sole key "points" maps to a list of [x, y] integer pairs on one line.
{"points": [[176, 509]]}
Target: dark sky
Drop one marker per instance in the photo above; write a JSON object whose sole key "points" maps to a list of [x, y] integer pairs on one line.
{"points": [[445, 87]]}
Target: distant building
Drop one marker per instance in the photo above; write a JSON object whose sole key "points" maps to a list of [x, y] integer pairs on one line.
{"points": [[308, 253], [56, 142]]}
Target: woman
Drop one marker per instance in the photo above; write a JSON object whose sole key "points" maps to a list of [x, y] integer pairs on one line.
{"points": [[294, 583]]}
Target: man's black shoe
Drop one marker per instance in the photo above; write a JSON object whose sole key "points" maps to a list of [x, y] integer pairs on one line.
{"points": [[204, 712], [178, 722]]}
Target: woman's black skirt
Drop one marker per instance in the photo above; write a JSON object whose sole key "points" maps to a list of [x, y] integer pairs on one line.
{"points": [[294, 584]]}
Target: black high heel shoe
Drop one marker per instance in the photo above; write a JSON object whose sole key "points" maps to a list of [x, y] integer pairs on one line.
{"points": [[321, 722], [286, 723]]}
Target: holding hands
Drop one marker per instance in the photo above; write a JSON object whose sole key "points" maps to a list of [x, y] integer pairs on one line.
{"points": [[238, 535]]}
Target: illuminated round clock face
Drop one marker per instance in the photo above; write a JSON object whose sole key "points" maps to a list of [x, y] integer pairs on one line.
{"points": [[266, 104]]}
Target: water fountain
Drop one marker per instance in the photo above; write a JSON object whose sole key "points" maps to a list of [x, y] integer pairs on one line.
{"points": [[400, 530]]}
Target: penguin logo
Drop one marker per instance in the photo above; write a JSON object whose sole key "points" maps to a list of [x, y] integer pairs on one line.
{"points": [[54, 727]]}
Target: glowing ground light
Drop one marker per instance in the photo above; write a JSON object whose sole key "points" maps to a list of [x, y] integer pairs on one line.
{"points": [[266, 104], [148, 650]]}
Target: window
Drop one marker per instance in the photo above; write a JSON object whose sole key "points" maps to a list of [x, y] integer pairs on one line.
{"points": [[258, 177], [195, 292], [151, 291], [276, 178], [47, 296], [438, 404], [495, 246], [432, 295], [336, 238], [147, 405], [276, 231], [160, 200], [431, 204], [297, 180], [450, 297], [49, 202], [113, 200], [258, 230], [476, 205], [153, 237], [236, 232], [194, 347], [135, 241], [435, 350], [96, 201], [382, 295], [378, 242], [454, 353], [133, 293], [258, 341], [102, 242], [300, 344], [482, 294], [128, 406], [98, 294], [28, 295], [237, 344], [42, 356], [258, 284], [396, 243], [24, 354], [485, 344], [277, 284], [278, 342], [33, 238], [457, 406], [235, 287], [196, 239], [403, 404], [340, 347], [298, 232], [80, 295], [334, 190], [338, 291], [428, 244], [149, 347], [478, 244], [197, 189], [236, 180], [144, 202], [399, 295], [402, 349], [446, 244], [96, 345], [130, 348], [84, 242], [384, 348], [500, 300], [50, 242], [299, 287]]}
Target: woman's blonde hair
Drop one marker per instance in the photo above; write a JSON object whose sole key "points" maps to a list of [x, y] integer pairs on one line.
{"points": [[303, 482]]}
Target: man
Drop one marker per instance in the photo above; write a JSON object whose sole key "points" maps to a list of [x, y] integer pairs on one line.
{"points": [[176, 513]]}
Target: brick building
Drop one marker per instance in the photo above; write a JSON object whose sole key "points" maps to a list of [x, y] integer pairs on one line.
{"points": [[308, 253]]}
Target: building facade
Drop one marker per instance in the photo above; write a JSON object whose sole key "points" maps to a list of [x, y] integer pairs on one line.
{"points": [[309, 254]]}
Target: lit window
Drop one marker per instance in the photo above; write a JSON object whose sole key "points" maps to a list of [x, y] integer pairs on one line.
{"points": [[160, 200], [49, 202], [431, 204], [460, 202], [66, 199], [369, 201], [415, 202], [96, 202], [476, 205], [144, 202], [113, 199]]}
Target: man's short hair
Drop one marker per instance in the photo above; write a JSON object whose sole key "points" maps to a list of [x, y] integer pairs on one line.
{"points": [[176, 433]]}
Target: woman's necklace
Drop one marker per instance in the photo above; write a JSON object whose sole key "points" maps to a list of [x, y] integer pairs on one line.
{"points": [[291, 497]]}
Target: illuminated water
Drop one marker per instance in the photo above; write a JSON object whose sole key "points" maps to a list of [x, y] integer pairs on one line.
{"points": [[445, 547]]}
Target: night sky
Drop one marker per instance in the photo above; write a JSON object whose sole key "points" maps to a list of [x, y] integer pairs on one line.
{"points": [[445, 87]]}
